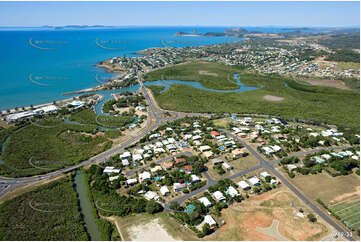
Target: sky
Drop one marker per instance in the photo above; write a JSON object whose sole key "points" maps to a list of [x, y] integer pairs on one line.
{"points": [[304, 14]]}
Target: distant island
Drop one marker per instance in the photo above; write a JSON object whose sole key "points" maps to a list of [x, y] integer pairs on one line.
{"points": [[234, 32]]}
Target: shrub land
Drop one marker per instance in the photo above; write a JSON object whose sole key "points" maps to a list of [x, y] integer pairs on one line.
{"points": [[50, 212]]}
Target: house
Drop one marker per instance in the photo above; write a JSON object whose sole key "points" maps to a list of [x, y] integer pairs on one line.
{"points": [[159, 144], [232, 191], [187, 168], [197, 131], [314, 134], [171, 140], [171, 147], [177, 187], [318, 159], [227, 166], [236, 130], [205, 202], [229, 143], [155, 169], [165, 142], [113, 178], [273, 182], [326, 156], [180, 160], [242, 135], [275, 148], [187, 136], [209, 220], [267, 150], [196, 143], [125, 162], [238, 152], [196, 137], [214, 134], [159, 150], [110, 169], [164, 190], [137, 157], [125, 155], [195, 178], [168, 165], [264, 174], [254, 181], [244, 185], [208, 154], [153, 136], [150, 195], [145, 176], [218, 196], [204, 148], [291, 167], [132, 181], [216, 161]]}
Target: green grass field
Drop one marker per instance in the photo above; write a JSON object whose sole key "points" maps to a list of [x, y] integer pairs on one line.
{"points": [[49, 212], [51, 148], [210, 75], [322, 104], [349, 212]]}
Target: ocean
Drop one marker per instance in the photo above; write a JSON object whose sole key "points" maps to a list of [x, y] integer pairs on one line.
{"points": [[38, 65]]}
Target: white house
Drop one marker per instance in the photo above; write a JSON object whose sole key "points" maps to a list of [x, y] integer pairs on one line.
{"points": [[205, 202], [144, 176], [254, 181], [164, 190], [209, 220], [125, 162], [132, 181], [125, 155], [218, 196], [204, 148], [137, 157], [110, 169], [232, 191], [178, 187], [227, 166], [244, 185], [195, 178], [149, 195], [264, 174]]}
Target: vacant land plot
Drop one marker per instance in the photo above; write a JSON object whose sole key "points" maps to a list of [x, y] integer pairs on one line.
{"points": [[323, 104], [153, 227], [203, 72], [329, 83], [349, 211], [238, 165], [222, 122], [328, 189], [270, 216], [273, 98]]}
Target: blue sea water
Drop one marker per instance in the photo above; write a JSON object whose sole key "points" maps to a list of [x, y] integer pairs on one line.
{"points": [[38, 65]]}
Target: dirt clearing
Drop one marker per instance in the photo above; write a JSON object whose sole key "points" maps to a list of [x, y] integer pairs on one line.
{"points": [[329, 83], [203, 72], [270, 216], [151, 231], [273, 98]]}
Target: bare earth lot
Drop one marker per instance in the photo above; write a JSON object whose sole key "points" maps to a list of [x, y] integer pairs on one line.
{"points": [[328, 189], [329, 83], [203, 72], [151, 231], [273, 98], [270, 216]]}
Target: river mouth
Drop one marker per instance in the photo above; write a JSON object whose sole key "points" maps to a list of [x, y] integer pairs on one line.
{"points": [[86, 208]]}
